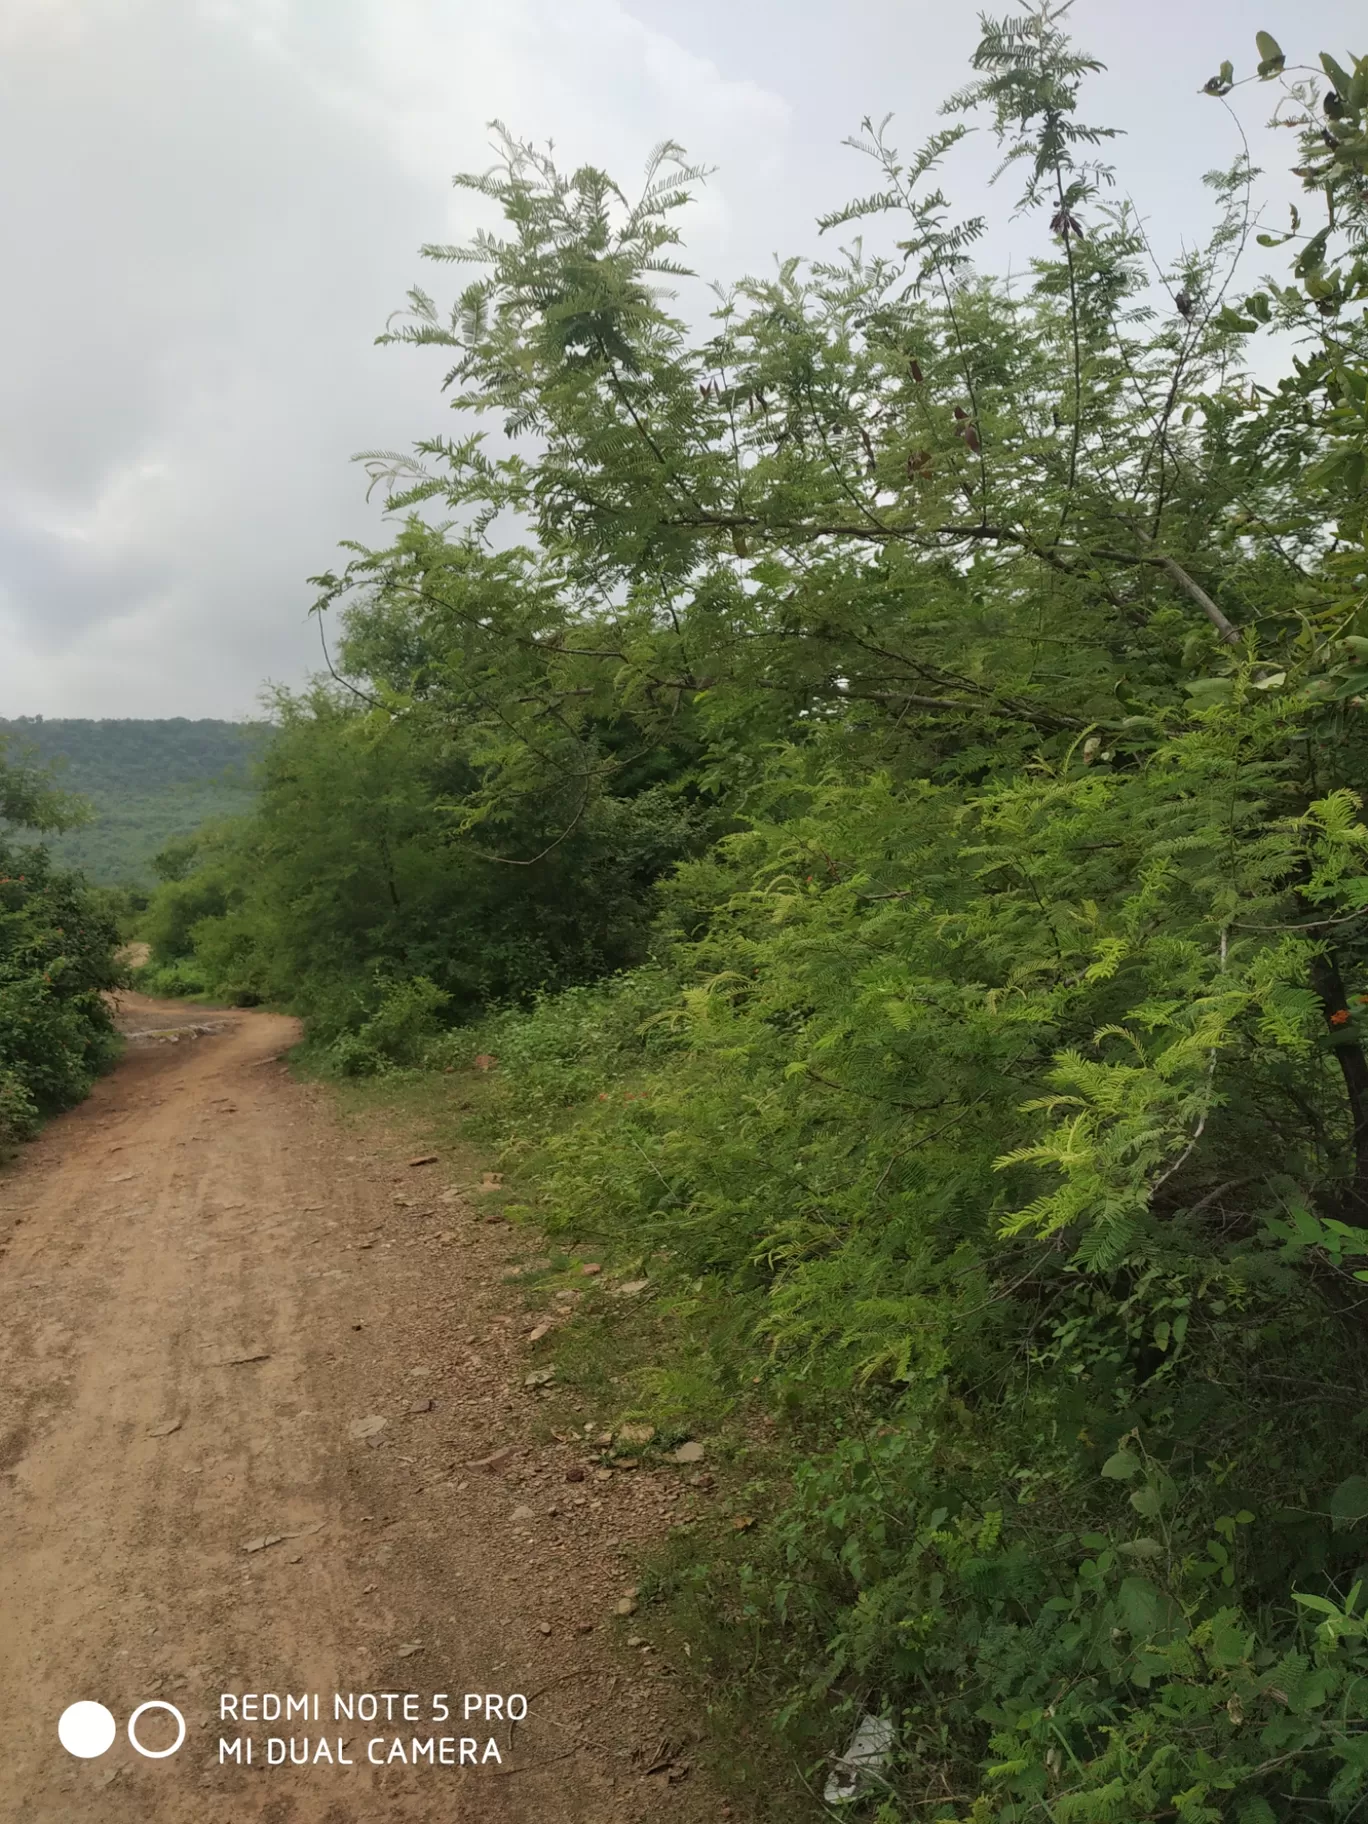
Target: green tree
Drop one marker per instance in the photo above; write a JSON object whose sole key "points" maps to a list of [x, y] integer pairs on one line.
{"points": [[373, 859]]}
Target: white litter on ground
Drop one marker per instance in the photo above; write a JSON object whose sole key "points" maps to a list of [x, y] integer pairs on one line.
{"points": [[863, 1763]]}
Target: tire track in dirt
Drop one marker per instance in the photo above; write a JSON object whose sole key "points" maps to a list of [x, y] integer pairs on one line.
{"points": [[200, 1208]]}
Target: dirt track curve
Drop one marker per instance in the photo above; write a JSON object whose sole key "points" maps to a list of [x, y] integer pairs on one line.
{"points": [[211, 1291]]}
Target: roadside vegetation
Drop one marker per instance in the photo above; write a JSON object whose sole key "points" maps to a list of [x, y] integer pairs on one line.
{"points": [[58, 942], [885, 860]]}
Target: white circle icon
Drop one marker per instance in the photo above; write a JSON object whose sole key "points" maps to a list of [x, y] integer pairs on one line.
{"points": [[154, 1754], [86, 1730]]}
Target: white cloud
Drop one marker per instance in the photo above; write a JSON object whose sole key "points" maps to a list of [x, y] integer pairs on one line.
{"points": [[221, 205]]}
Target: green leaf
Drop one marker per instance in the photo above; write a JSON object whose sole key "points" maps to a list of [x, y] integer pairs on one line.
{"points": [[1338, 75], [1141, 1548], [1205, 691], [1349, 1503], [1140, 1606], [1318, 1603], [1313, 254], [1255, 1810], [1121, 1465], [1270, 54]]}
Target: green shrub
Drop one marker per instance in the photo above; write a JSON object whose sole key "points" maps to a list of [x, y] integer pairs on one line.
{"points": [[19, 1115], [368, 861], [398, 1033], [977, 1160], [57, 960]]}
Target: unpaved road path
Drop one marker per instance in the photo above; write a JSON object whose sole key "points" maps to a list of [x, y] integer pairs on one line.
{"points": [[206, 1244]]}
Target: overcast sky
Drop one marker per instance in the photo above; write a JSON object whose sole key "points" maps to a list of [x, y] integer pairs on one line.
{"points": [[211, 206]]}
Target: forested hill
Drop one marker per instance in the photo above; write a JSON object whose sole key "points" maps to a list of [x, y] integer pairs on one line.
{"points": [[147, 781]]}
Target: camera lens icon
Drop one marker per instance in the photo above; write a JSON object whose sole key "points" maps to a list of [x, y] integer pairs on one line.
{"points": [[87, 1730], [157, 1754]]}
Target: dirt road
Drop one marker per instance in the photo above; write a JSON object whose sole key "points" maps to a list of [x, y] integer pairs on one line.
{"points": [[247, 1359]]}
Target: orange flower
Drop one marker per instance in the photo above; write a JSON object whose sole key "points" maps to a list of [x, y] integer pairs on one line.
{"points": [[1341, 1018]]}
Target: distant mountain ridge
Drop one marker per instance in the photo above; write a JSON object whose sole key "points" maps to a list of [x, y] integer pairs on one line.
{"points": [[147, 780]]}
